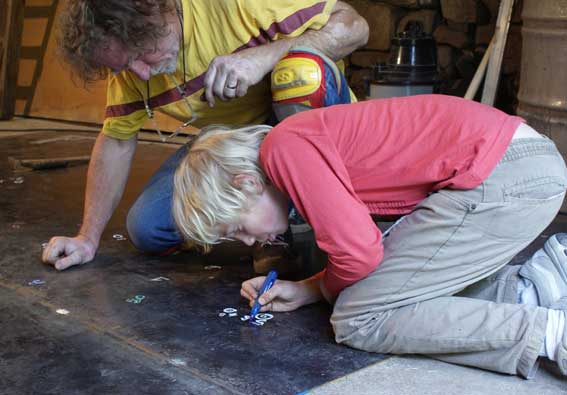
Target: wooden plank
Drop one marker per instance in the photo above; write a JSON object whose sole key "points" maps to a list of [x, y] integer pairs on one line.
{"points": [[479, 75], [495, 62], [38, 12], [47, 13], [10, 38]]}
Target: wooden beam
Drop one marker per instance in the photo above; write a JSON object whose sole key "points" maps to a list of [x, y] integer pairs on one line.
{"points": [[495, 62], [479, 75], [11, 25]]}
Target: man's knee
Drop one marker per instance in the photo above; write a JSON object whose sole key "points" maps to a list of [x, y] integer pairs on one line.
{"points": [[306, 79], [139, 235], [145, 233]]}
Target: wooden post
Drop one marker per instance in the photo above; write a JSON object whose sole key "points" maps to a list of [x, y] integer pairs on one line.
{"points": [[479, 75], [11, 25], [495, 63]]}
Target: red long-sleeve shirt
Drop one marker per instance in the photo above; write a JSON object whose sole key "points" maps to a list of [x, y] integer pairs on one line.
{"points": [[340, 164]]}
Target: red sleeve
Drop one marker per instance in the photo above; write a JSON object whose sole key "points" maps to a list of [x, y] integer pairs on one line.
{"points": [[310, 170]]}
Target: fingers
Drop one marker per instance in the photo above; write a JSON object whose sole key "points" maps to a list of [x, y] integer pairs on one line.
{"points": [[226, 84], [231, 86], [63, 252], [268, 296], [208, 83], [75, 258], [247, 295], [267, 307], [241, 89], [226, 78], [251, 287], [54, 249], [219, 84]]}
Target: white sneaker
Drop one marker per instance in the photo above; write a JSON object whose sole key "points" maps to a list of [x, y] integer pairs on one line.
{"points": [[562, 354], [547, 270]]}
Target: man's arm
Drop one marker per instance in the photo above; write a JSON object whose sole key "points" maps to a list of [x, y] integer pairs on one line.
{"points": [[107, 175], [345, 31]]}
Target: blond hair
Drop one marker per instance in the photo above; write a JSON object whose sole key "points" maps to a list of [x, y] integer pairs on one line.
{"points": [[204, 193]]}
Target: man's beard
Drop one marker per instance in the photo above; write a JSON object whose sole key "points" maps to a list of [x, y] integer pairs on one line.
{"points": [[167, 67]]}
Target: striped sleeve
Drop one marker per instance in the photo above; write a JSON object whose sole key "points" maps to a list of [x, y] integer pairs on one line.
{"points": [[125, 114], [286, 18]]}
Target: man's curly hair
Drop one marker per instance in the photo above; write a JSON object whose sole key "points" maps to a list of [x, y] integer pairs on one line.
{"points": [[86, 25]]}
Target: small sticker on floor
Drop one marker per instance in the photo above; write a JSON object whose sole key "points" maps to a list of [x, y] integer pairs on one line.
{"points": [[159, 279], [177, 362], [62, 311], [136, 299], [118, 237]]}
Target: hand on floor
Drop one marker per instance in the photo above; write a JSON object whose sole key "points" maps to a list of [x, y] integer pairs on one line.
{"points": [[64, 252]]}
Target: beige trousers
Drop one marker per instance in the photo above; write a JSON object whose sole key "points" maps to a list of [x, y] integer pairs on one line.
{"points": [[417, 300]]}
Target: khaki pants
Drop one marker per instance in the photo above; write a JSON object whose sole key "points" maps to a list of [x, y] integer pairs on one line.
{"points": [[417, 300]]}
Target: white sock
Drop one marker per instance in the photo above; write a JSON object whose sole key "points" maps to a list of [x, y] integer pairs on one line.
{"points": [[527, 293], [553, 333]]}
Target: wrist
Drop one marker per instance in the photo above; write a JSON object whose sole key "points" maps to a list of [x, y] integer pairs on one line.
{"points": [[273, 52], [311, 290], [326, 294], [93, 240]]}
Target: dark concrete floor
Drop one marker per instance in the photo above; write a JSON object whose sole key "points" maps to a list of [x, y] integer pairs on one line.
{"points": [[174, 341]]}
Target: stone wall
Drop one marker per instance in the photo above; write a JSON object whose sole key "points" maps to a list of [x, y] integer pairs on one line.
{"points": [[462, 28]]}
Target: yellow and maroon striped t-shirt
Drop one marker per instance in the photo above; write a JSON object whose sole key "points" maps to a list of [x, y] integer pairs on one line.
{"points": [[212, 28]]}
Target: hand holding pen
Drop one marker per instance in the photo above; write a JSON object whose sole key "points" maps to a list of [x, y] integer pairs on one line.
{"points": [[268, 283], [282, 295]]}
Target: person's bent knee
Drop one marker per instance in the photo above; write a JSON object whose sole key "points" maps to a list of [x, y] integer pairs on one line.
{"points": [[306, 79], [143, 234], [361, 332]]}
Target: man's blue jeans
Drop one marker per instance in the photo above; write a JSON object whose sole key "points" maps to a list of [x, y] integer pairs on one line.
{"points": [[150, 221]]}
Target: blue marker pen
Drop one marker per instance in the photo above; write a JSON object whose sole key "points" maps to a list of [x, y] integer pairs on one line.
{"points": [[268, 282]]}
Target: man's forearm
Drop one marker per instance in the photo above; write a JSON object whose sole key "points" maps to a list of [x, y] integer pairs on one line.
{"points": [[345, 31], [107, 175]]}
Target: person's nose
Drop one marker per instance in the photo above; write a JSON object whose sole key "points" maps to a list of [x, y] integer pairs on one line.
{"points": [[248, 240], [141, 69]]}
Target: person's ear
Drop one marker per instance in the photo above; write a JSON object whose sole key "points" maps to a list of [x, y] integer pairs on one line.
{"points": [[248, 184]]}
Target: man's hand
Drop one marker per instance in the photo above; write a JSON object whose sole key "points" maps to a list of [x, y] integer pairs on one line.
{"points": [[108, 172], [283, 296], [230, 76], [63, 252]]}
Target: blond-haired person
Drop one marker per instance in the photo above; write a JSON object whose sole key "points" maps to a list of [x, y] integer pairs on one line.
{"points": [[476, 186]]}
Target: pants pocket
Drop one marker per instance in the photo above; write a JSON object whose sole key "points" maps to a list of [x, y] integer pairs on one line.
{"points": [[535, 191]]}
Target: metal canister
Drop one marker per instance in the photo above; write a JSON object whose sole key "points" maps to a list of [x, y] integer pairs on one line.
{"points": [[543, 85]]}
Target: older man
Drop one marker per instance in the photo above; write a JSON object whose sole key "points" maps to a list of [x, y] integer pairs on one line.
{"points": [[205, 61]]}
